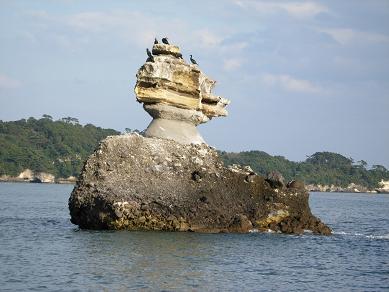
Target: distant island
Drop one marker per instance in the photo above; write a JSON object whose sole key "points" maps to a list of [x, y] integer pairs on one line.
{"points": [[47, 150]]}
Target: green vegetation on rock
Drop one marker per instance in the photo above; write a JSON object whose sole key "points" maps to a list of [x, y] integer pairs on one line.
{"points": [[43, 145], [325, 168]]}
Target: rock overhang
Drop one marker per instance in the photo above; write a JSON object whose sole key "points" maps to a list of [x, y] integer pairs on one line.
{"points": [[143, 182], [167, 83]]}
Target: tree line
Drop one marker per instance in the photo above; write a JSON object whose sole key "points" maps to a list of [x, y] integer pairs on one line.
{"points": [[44, 145], [325, 168], [60, 147]]}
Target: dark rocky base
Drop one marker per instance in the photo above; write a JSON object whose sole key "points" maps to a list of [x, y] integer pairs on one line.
{"points": [[138, 183]]}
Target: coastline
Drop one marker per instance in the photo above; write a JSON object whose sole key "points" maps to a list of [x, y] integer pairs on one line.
{"points": [[351, 188], [58, 182], [10, 179], [310, 188], [29, 176]]}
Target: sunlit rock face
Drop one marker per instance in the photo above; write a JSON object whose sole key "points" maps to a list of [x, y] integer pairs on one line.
{"points": [[137, 183], [177, 95]]}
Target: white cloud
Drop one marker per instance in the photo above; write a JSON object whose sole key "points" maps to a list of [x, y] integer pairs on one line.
{"points": [[7, 82], [81, 28], [296, 9], [233, 48], [37, 13], [232, 64], [345, 36], [208, 39], [76, 32], [289, 83], [130, 27]]}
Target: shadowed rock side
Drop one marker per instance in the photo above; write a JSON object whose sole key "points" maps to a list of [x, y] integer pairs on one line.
{"points": [[137, 183]]}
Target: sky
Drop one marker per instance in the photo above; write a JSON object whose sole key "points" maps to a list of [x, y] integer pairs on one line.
{"points": [[302, 76]]}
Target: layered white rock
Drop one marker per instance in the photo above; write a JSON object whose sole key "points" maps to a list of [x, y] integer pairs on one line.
{"points": [[177, 95]]}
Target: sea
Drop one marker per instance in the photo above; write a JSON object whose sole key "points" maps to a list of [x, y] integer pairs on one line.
{"points": [[41, 250]]}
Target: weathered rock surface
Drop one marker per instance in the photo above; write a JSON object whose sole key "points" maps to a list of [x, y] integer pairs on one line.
{"points": [[43, 177], [351, 188], [26, 174], [169, 179], [29, 176], [383, 187], [177, 95], [137, 183]]}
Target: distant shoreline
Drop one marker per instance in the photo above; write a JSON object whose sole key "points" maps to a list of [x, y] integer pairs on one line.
{"points": [[61, 181], [45, 183], [310, 188], [48, 150], [352, 188]]}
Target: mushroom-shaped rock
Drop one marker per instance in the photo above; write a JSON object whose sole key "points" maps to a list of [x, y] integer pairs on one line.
{"points": [[143, 182], [177, 95]]}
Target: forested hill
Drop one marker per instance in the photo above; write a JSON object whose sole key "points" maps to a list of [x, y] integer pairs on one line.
{"points": [[325, 168], [43, 145], [60, 148]]}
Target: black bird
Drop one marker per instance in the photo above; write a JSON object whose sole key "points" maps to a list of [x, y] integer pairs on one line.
{"points": [[165, 41], [150, 58], [193, 60], [149, 53], [155, 41]]}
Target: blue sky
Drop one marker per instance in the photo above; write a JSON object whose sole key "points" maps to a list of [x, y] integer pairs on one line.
{"points": [[303, 76]]}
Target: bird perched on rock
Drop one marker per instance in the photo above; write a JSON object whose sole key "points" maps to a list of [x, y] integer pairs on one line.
{"points": [[155, 41], [193, 60], [151, 57], [165, 41]]}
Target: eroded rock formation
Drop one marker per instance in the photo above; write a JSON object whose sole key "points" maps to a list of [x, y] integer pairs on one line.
{"points": [[169, 179], [138, 183], [177, 95]]}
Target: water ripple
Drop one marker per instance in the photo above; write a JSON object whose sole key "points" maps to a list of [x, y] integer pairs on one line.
{"points": [[41, 250]]}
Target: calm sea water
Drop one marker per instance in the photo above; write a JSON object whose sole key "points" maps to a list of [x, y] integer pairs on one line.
{"points": [[41, 250]]}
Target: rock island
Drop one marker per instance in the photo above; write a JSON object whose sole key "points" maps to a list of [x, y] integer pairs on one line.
{"points": [[169, 179]]}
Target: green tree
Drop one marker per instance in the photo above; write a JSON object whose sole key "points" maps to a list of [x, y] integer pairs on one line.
{"points": [[45, 116], [59, 147], [319, 168]]}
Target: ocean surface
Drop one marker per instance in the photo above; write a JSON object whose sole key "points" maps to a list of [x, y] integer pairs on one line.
{"points": [[40, 250]]}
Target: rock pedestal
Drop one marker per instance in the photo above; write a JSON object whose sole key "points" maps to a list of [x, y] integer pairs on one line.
{"points": [[177, 95], [138, 183], [169, 179]]}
